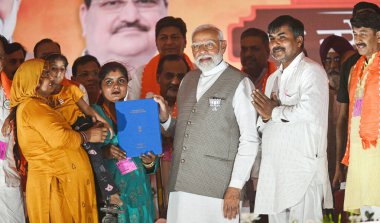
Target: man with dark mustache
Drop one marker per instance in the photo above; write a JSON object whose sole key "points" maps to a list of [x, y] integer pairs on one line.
{"points": [[170, 40], [121, 30], [170, 72], [293, 179], [254, 55], [15, 57], [85, 71], [363, 148], [343, 99], [333, 51]]}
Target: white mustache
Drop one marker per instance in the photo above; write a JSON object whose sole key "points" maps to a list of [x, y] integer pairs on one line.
{"points": [[203, 56]]}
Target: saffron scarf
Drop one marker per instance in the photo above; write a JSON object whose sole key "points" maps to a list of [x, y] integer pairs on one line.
{"points": [[370, 112], [23, 87], [6, 83], [263, 82], [271, 69], [26, 80]]}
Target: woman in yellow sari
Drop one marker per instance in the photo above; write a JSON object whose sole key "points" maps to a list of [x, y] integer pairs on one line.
{"points": [[60, 185]]}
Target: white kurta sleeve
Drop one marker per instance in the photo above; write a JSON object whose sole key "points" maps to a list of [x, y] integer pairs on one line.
{"points": [[307, 103], [249, 140], [271, 81]]}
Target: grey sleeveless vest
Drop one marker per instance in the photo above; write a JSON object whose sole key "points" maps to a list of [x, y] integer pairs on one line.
{"points": [[206, 136]]}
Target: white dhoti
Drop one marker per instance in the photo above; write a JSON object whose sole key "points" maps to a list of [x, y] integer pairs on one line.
{"points": [[11, 200], [192, 208], [309, 209], [11, 206]]}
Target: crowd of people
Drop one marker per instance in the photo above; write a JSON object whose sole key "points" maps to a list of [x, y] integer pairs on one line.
{"points": [[276, 138]]}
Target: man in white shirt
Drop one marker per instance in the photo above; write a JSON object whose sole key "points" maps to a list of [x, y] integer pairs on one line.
{"points": [[215, 141], [85, 71], [170, 40], [293, 180], [11, 202]]}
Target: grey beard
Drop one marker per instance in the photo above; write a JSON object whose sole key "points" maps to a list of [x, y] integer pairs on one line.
{"points": [[215, 60]]}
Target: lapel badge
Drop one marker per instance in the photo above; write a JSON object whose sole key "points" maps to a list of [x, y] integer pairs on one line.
{"points": [[215, 103]]}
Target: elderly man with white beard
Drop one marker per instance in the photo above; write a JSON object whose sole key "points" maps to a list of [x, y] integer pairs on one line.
{"points": [[215, 140]]}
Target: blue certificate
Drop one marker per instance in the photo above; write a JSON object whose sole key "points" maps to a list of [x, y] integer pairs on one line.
{"points": [[138, 127]]}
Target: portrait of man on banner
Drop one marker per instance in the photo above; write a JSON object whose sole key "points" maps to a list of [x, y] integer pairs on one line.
{"points": [[121, 30]]}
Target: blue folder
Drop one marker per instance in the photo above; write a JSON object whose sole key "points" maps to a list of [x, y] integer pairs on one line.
{"points": [[138, 127]]}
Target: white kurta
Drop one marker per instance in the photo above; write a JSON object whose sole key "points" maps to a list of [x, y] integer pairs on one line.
{"points": [[294, 141], [11, 205], [187, 207]]}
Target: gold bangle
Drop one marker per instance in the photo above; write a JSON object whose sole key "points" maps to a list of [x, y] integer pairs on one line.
{"points": [[148, 166]]}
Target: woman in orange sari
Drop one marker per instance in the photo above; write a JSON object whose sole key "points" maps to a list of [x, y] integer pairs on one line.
{"points": [[60, 186]]}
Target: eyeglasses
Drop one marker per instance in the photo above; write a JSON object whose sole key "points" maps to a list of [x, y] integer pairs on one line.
{"points": [[208, 45], [115, 6]]}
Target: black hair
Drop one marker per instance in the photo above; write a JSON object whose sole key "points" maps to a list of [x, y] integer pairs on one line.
{"points": [[56, 56], [41, 42], [256, 33], [172, 57], [4, 41], [112, 66], [107, 68], [171, 21], [13, 47], [81, 61], [88, 3], [295, 26], [365, 6], [366, 19]]}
